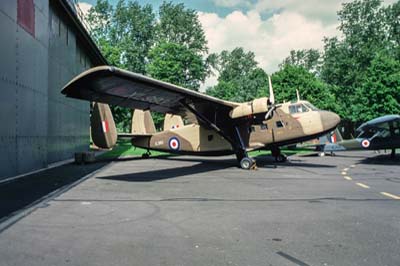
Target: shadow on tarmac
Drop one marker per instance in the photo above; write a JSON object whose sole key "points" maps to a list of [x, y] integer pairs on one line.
{"points": [[203, 166], [25, 191], [162, 174], [383, 159]]}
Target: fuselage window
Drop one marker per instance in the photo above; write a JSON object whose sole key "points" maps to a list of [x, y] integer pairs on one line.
{"points": [[279, 124]]}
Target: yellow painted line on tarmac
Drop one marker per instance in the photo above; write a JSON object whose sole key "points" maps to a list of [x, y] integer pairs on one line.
{"points": [[362, 185], [390, 195], [345, 169], [344, 173], [353, 165], [348, 178]]}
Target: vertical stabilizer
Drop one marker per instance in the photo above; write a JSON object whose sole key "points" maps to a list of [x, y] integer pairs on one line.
{"points": [[172, 121], [102, 126], [142, 122]]}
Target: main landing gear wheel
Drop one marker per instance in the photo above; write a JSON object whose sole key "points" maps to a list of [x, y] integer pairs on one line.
{"points": [[146, 155], [280, 158], [247, 163]]}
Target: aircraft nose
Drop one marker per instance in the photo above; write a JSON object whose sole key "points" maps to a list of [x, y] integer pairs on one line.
{"points": [[329, 120]]}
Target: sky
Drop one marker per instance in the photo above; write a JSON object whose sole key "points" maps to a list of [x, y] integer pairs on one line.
{"points": [[269, 28]]}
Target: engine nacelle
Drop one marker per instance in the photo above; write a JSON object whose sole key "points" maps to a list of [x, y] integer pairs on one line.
{"points": [[257, 106]]}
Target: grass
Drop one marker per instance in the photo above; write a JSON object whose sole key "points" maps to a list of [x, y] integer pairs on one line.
{"points": [[125, 149]]}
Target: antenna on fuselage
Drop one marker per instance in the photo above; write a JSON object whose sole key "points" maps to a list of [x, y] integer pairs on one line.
{"points": [[271, 91], [298, 95]]}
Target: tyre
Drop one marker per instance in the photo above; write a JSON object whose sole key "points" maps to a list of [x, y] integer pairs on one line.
{"points": [[280, 158], [246, 163]]}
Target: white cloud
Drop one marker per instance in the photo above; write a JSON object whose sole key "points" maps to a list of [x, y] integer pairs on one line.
{"points": [[232, 3], [271, 39]]}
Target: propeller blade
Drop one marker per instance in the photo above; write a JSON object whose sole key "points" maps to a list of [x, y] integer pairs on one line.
{"points": [[271, 91]]}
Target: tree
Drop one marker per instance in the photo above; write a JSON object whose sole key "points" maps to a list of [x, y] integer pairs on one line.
{"points": [[176, 64], [380, 91], [125, 35], [179, 52], [311, 88], [240, 79], [369, 29], [309, 59], [181, 25]]}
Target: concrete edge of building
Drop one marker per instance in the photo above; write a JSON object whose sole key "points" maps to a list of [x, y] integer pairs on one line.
{"points": [[50, 166]]}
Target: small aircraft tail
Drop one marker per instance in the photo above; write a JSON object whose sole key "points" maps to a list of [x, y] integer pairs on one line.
{"points": [[142, 123], [336, 136], [172, 122], [102, 129]]}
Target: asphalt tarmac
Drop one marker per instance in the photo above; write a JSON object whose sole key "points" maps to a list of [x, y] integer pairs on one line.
{"points": [[342, 210]]}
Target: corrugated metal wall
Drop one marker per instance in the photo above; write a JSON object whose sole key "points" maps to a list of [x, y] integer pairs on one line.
{"points": [[38, 125]]}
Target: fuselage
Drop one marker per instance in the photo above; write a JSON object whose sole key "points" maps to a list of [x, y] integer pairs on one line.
{"points": [[291, 123]]}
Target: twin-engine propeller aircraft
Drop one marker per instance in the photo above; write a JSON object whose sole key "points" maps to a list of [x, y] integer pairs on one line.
{"points": [[377, 134], [195, 123]]}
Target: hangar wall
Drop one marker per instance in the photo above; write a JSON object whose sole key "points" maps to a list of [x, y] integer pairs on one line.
{"points": [[43, 46]]}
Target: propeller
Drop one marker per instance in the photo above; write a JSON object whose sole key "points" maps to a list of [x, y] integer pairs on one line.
{"points": [[271, 91], [271, 99]]}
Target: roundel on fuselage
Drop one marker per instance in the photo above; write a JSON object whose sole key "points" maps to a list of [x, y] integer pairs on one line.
{"points": [[174, 144], [365, 143]]}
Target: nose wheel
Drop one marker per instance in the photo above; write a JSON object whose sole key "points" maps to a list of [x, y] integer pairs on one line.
{"points": [[279, 157]]}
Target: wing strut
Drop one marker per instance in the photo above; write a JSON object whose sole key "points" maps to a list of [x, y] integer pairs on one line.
{"points": [[237, 143], [208, 122]]}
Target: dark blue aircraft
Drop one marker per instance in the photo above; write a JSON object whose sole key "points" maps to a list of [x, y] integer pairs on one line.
{"points": [[377, 134]]}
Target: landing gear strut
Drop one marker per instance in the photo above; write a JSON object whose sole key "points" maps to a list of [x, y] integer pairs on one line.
{"points": [[241, 154], [393, 154], [146, 155], [279, 157]]}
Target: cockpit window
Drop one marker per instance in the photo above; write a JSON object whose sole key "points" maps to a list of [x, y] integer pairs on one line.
{"points": [[311, 107], [297, 108], [367, 133]]}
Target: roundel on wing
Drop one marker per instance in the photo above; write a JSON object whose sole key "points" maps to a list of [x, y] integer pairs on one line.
{"points": [[365, 143], [174, 143]]}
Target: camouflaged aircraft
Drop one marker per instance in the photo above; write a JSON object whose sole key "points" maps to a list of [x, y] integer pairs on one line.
{"points": [[377, 134], [195, 123]]}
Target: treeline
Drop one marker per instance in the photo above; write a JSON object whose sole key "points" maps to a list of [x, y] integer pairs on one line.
{"points": [[357, 75]]}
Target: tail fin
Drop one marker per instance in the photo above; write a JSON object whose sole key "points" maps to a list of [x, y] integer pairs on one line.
{"points": [[142, 122], [102, 126], [336, 136], [172, 121]]}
